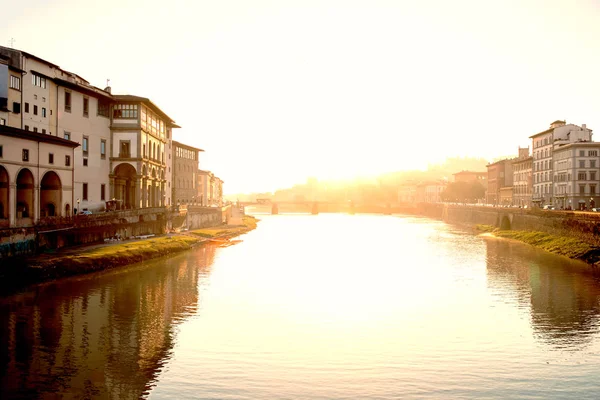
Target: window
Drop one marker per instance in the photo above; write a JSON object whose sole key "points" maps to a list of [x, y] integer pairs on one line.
{"points": [[593, 153], [592, 163], [37, 80], [26, 127], [1, 151], [67, 135], [67, 161], [144, 150], [85, 191], [581, 153], [50, 158], [125, 111], [43, 99], [26, 108], [102, 149], [44, 112], [581, 163], [592, 189], [25, 155], [15, 82], [103, 107], [581, 176], [86, 106], [592, 175], [2, 121], [35, 128], [44, 131], [581, 189], [84, 145], [85, 162], [124, 148], [67, 101], [35, 109], [102, 191], [16, 107]]}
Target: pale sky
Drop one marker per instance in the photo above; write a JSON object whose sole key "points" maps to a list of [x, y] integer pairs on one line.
{"points": [[276, 91]]}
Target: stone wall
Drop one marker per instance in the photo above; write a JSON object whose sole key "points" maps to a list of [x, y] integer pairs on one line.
{"points": [[203, 217], [583, 225]]}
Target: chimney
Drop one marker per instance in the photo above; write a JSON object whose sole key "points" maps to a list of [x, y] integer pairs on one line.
{"points": [[107, 89], [583, 126]]}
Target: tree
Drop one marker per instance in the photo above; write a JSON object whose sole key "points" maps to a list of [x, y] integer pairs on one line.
{"points": [[463, 192]]}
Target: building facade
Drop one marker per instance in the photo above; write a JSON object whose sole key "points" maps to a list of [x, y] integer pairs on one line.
{"points": [[36, 177], [522, 179], [543, 145], [500, 176], [576, 175], [140, 134], [185, 173]]}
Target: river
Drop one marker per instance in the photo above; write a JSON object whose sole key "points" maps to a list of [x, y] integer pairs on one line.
{"points": [[314, 307]]}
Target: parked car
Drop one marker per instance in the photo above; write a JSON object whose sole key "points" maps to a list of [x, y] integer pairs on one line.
{"points": [[86, 212], [548, 207], [596, 209]]}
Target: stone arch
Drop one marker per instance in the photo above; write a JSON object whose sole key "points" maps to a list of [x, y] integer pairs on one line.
{"points": [[4, 188], [505, 223], [144, 170], [25, 183], [50, 195], [125, 181], [67, 209]]}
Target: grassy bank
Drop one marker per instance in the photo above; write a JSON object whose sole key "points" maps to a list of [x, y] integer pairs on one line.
{"points": [[76, 261], [225, 232], [556, 244]]}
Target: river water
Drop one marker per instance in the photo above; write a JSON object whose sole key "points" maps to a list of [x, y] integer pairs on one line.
{"points": [[315, 307]]}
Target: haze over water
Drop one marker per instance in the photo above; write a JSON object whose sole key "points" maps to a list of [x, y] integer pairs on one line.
{"points": [[318, 307]]}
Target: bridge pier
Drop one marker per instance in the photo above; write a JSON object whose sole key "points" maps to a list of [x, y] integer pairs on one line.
{"points": [[274, 209], [315, 208]]}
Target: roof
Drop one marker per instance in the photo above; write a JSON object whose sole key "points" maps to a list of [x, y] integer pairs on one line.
{"points": [[35, 136], [176, 143], [154, 107], [501, 161], [524, 159], [541, 133]]}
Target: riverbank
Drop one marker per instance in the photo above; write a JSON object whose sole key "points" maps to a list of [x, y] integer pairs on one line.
{"points": [[21, 272], [570, 247]]}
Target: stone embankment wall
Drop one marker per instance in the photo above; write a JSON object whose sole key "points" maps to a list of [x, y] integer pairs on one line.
{"points": [[582, 225], [204, 217]]}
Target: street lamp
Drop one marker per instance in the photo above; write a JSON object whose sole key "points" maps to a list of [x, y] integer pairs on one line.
{"points": [[78, 210]]}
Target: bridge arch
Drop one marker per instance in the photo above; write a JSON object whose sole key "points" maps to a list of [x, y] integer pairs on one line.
{"points": [[505, 223]]}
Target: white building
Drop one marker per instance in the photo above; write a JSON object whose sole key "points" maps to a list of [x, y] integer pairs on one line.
{"points": [[543, 146], [576, 175]]}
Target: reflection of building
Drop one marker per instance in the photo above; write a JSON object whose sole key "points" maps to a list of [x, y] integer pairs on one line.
{"points": [[185, 173], [522, 178], [36, 176], [106, 337], [564, 304], [576, 174]]}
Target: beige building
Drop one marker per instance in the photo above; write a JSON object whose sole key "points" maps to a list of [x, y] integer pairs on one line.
{"points": [[500, 175], [522, 179], [36, 177], [185, 174], [210, 189], [140, 134], [576, 175], [543, 145]]}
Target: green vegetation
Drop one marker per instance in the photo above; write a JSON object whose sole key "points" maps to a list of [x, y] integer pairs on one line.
{"points": [[227, 231], [485, 228], [561, 245], [463, 192]]}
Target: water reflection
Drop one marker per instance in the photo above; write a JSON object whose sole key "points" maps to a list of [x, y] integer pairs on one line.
{"points": [[103, 337], [562, 296]]}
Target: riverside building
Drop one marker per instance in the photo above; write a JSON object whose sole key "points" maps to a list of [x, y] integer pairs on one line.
{"points": [[543, 145], [185, 173], [522, 178]]}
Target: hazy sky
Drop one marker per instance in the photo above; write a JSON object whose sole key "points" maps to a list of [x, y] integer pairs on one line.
{"points": [[276, 91]]}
